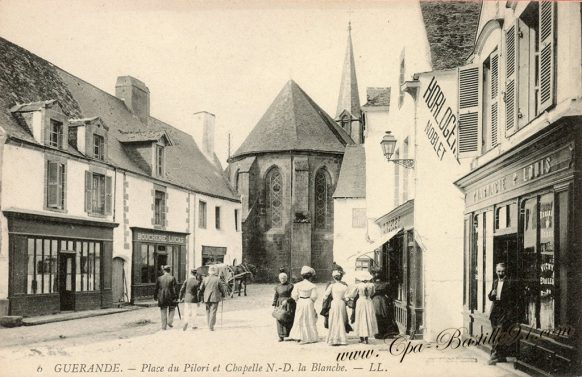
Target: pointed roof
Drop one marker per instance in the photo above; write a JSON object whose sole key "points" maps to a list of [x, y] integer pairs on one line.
{"points": [[349, 97], [352, 179], [294, 122]]}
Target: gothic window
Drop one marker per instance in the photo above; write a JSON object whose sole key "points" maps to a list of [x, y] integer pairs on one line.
{"points": [[323, 200], [274, 196]]}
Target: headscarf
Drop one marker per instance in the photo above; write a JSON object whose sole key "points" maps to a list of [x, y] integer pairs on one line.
{"points": [[336, 273], [283, 275]]}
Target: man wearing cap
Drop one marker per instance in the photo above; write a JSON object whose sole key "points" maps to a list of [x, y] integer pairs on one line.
{"points": [[211, 291], [189, 295], [165, 294]]}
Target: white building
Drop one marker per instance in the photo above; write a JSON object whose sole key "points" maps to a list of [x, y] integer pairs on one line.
{"points": [[97, 195]]}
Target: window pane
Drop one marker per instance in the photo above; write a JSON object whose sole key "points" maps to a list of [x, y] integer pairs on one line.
{"points": [[31, 283], [547, 287], [98, 266], [152, 273], [42, 266], [79, 269], [274, 190], [144, 263], [528, 260], [90, 266]]}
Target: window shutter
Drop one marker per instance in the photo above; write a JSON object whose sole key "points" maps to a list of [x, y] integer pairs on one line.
{"points": [[63, 185], [494, 113], [546, 71], [53, 184], [511, 64], [88, 191], [469, 119], [108, 191], [164, 210]]}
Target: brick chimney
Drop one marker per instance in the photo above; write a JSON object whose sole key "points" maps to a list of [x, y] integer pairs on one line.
{"points": [[136, 96], [204, 133]]}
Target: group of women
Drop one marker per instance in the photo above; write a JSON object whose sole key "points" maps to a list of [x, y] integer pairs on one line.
{"points": [[372, 311]]}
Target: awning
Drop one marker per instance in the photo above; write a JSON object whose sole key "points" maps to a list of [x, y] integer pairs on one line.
{"points": [[376, 244]]}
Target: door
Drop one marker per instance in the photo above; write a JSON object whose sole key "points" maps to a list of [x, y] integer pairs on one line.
{"points": [[118, 280], [66, 271]]}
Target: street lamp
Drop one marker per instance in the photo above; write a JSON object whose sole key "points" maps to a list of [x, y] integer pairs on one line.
{"points": [[388, 145]]}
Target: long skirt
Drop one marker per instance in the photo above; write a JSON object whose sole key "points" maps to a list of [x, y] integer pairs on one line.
{"points": [[338, 317], [366, 324], [284, 327], [305, 324], [385, 317]]}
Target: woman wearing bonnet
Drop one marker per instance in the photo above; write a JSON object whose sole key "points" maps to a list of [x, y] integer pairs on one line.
{"points": [[305, 293], [283, 300], [366, 324]]}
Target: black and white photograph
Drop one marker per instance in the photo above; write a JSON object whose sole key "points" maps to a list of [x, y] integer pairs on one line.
{"points": [[290, 188]]}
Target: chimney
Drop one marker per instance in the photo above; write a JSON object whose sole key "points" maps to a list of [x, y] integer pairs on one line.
{"points": [[204, 133], [136, 96]]}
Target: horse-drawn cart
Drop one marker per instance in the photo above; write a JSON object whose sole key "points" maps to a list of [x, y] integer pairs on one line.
{"points": [[233, 277]]}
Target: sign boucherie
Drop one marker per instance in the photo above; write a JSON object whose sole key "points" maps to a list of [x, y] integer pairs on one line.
{"points": [[142, 236]]}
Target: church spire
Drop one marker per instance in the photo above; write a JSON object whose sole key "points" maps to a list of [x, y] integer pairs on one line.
{"points": [[349, 97]]}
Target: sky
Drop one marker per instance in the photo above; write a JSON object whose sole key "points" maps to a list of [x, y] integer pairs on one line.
{"points": [[229, 58]]}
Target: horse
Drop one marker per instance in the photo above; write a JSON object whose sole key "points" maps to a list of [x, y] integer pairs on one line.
{"points": [[242, 272]]}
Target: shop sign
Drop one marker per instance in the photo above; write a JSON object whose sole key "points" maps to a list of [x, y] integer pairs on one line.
{"points": [[160, 238], [532, 171], [441, 129]]}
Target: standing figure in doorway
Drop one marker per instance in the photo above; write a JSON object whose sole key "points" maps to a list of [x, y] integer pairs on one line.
{"points": [[211, 291], [504, 311], [165, 294], [384, 308], [189, 294], [305, 293]]}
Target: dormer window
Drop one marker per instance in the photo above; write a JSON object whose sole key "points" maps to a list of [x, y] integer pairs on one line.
{"points": [[56, 134], [160, 160], [98, 147]]}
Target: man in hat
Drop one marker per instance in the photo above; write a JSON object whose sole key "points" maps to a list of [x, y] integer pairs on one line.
{"points": [[189, 295], [211, 291], [165, 294]]}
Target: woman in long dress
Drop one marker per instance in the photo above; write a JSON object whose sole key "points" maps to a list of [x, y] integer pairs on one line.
{"points": [[283, 299], [384, 307], [338, 314], [305, 293], [366, 324]]}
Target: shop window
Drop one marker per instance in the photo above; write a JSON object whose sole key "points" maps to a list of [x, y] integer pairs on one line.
{"points": [[358, 217], [88, 257], [217, 217], [42, 266], [160, 208], [98, 190], [55, 191], [98, 147], [56, 134], [274, 198], [323, 199], [530, 43], [202, 214], [363, 264]]}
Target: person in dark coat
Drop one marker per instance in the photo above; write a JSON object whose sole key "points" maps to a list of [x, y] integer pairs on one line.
{"points": [[283, 299], [384, 307], [189, 295], [504, 311], [211, 291], [165, 294]]}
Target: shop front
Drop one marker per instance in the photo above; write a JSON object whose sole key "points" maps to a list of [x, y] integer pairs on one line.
{"points": [[58, 264], [400, 260], [153, 249], [520, 211]]}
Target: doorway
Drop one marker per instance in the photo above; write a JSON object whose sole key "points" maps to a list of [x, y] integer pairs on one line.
{"points": [[118, 283], [505, 251], [66, 277]]}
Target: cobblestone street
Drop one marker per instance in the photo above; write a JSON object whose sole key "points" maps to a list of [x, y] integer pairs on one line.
{"points": [[245, 343]]}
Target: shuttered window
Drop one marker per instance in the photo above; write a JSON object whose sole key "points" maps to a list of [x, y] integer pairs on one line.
{"points": [[98, 193], [469, 119], [55, 185], [494, 106], [511, 56], [546, 79]]}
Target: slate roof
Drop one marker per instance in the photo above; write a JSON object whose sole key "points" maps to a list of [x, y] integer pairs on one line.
{"points": [[349, 97], [450, 27], [352, 179], [25, 78], [376, 97], [294, 122]]}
